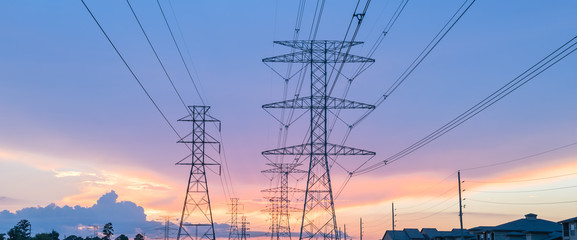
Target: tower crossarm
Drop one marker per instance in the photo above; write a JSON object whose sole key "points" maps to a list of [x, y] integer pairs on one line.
{"points": [[329, 44], [285, 168], [278, 189], [305, 57], [305, 149], [276, 170], [331, 103]]}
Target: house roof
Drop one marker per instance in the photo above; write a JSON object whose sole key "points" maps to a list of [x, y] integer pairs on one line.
{"points": [[456, 232], [432, 233], [413, 233], [529, 224], [569, 220], [405, 234]]}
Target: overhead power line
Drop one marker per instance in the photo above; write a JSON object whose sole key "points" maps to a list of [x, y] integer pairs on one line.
{"points": [[521, 203], [157, 57], [428, 49], [132, 72], [433, 214], [553, 58], [527, 191], [180, 53], [525, 180], [226, 180], [522, 158]]}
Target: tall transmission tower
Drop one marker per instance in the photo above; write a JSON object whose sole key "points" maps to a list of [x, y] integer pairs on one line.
{"points": [[318, 220], [280, 204], [233, 233], [196, 221]]}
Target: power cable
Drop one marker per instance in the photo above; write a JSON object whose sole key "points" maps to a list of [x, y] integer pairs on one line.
{"points": [[157, 57], [430, 199], [382, 36], [527, 191], [227, 181], [187, 51], [318, 15], [433, 214], [180, 53], [132, 72], [522, 158], [529, 74], [518, 203], [432, 44], [526, 180]]}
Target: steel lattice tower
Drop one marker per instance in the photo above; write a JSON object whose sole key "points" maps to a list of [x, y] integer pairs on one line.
{"points": [[243, 228], [233, 233], [196, 212], [318, 220], [280, 205]]}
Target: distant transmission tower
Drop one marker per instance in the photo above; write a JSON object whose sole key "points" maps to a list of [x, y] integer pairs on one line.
{"points": [[233, 233], [280, 204], [196, 221], [318, 220], [273, 211], [244, 228], [166, 229]]}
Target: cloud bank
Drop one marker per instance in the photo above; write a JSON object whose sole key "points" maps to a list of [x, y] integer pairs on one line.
{"points": [[126, 217]]}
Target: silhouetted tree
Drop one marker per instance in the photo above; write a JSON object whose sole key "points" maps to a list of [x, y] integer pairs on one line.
{"points": [[46, 236], [2, 236], [108, 231], [91, 238], [122, 237], [139, 237], [21, 231], [73, 237]]}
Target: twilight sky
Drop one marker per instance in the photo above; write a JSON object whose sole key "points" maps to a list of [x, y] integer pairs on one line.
{"points": [[75, 125]]}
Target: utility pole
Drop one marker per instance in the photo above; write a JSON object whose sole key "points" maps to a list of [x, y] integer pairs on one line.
{"points": [[393, 214], [460, 205], [361, 229], [197, 212], [345, 232], [318, 219]]}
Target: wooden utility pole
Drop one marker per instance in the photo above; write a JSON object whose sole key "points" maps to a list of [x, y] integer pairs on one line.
{"points": [[393, 214], [460, 205], [361, 229]]}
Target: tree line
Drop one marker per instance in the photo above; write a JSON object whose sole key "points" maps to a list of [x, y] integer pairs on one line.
{"points": [[22, 231]]}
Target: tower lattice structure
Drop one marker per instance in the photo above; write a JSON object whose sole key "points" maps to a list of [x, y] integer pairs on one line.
{"points": [[318, 219], [244, 228], [280, 208], [234, 229], [196, 222]]}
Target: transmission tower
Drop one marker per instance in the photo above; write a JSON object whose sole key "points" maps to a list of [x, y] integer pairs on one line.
{"points": [[196, 221], [166, 228], [233, 233], [244, 228], [280, 205], [318, 220], [273, 211]]}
